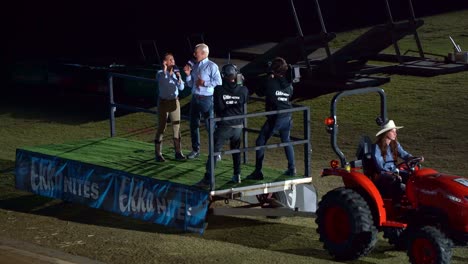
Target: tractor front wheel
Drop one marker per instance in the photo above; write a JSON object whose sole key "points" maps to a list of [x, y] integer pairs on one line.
{"points": [[429, 245], [345, 224]]}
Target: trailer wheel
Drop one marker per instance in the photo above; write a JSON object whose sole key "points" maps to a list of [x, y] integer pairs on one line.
{"points": [[396, 237], [287, 198], [429, 245], [345, 224]]}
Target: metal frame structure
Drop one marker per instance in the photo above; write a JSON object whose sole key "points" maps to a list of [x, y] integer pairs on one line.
{"points": [[412, 20], [323, 32]]}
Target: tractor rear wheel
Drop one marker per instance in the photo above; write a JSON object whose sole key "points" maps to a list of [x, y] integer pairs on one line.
{"points": [[429, 245], [345, 224]]}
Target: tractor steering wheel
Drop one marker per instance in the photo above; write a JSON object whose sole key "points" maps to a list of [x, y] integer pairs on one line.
{"points": [[410, 163]]}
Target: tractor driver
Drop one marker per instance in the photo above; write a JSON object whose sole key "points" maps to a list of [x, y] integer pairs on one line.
{"points": [[391, 181]]}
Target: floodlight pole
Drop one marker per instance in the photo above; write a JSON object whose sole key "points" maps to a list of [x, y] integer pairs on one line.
{"points": [[391, 23], [319, 12], [157, 52], [324, 32], [301, 34], [296, 19], [413, 22], [142, 51]]}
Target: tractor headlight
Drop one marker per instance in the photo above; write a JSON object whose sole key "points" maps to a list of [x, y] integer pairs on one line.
{"points": [[454, 198]]}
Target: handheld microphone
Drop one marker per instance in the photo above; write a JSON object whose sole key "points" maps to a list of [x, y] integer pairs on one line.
{"points": [[190, 63], [176, 71]]}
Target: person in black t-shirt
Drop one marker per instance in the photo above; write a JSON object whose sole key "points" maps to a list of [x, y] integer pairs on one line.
{"points": [[278, 92], [229, 99]]}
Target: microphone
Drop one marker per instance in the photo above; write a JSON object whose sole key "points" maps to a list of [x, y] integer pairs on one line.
{"points": [[176, 71], [190, 63]]}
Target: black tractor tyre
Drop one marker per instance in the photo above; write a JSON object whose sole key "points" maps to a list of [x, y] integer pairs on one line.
{"points": [[429, 245], [345, 224], [396, 237]]}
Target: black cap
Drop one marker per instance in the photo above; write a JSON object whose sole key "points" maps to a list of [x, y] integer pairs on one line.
{"points": [[229, 70]]}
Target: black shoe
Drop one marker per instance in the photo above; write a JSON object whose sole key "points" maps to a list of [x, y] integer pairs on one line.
{"points": [[160, 158], [180, 156], [256, 175], [236, 179], [193, 155], [290, 172]]}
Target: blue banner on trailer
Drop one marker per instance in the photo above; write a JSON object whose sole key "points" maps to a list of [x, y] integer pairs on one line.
{"points": [[145, 198]]}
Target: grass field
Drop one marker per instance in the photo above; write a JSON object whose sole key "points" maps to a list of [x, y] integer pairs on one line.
{"points": [[433, 110]]}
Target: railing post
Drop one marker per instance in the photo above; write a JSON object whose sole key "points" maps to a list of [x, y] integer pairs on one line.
{"points": [[211, 151], [307, 146], [245, 135], [111, 105]]}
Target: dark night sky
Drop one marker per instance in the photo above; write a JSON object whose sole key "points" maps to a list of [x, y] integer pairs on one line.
{"points": [[76, 27]]}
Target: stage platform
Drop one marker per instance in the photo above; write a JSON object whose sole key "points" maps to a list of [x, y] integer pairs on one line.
{"points": [[120, 175]]}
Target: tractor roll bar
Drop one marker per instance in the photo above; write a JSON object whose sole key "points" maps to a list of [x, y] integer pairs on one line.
{"points": [[334, 127]]}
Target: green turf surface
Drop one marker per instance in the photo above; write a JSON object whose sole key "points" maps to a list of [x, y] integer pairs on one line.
{"points": [[137, 157]]}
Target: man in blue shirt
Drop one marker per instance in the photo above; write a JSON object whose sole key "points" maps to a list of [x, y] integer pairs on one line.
{"points": [[202, 78]]}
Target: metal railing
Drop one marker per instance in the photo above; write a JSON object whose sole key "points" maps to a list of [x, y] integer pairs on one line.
{"points": [[294, 141], [211, 126], [113, 105]]}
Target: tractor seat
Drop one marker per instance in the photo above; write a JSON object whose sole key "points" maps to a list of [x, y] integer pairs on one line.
{"points": [[365, 154]]}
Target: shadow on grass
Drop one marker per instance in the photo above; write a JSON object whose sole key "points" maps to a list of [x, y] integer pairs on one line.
{"points": [[7, 166], [246, 232], [273, 235], [38, 205], [278, 236]]}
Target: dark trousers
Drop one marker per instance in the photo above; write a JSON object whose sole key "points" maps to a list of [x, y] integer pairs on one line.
{"points": [[282, 125], [221, 135], [199, 106], [390, 187]]}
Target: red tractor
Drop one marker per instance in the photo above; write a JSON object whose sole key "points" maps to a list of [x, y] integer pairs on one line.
{"points": [[432, 216]]}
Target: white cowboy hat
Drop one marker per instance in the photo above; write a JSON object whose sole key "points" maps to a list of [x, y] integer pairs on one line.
{"points": [[388, 126]]}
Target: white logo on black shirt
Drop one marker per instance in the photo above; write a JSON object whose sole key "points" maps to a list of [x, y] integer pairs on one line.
{"points": [[231, 99]]}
